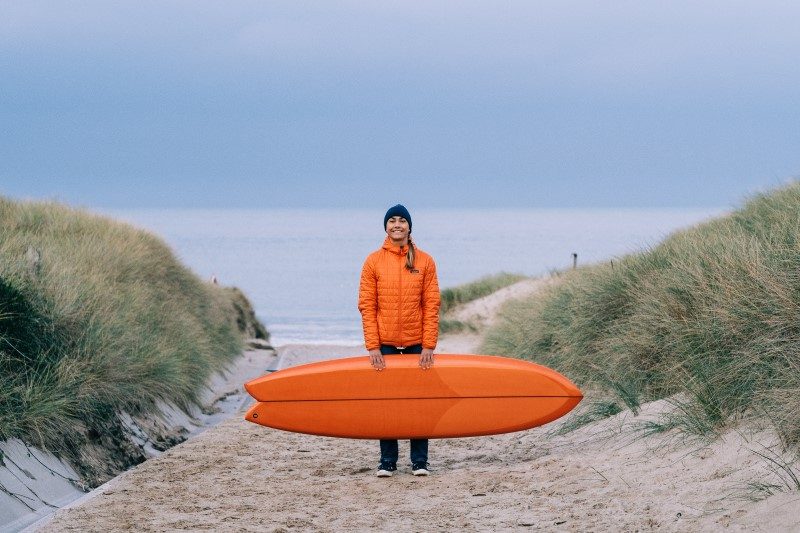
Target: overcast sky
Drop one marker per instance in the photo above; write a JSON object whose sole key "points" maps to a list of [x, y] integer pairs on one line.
{"points": [[435, 104]]}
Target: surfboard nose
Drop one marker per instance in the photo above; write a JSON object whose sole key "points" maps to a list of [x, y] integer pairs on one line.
{"points": [[571, 390]]}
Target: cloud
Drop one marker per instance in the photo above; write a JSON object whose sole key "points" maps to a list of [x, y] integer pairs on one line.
{"points": [[360, 91], [541, 43]]}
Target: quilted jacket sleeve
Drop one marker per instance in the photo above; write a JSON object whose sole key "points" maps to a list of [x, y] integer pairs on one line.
{"points": [[431, 301], [368, 305]]}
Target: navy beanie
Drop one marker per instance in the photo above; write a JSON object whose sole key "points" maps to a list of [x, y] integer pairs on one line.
{"points": [[397, 211]]}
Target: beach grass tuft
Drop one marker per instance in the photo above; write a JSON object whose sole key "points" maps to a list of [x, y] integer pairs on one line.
{"points": [[454, 296], [585, 415], [448, 325], [98, 317], [709, 315]]}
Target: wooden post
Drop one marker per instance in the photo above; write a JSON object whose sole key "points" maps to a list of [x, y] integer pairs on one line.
{"points": [[574, 260], [33, 257]]}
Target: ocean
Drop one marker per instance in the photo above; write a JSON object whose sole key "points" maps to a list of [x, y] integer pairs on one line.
{"points": [[301, 267]]}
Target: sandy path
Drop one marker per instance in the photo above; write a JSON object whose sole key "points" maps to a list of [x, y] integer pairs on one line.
{"points": [[483, 311], [243, 477]]}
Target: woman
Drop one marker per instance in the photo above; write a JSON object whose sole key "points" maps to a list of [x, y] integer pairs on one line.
{"points": [[399, 303]]}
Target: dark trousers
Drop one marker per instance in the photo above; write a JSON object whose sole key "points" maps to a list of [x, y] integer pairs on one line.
{"points": [[419, 447]]}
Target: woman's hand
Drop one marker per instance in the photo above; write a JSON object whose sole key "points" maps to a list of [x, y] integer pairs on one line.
{"points": [[376, 360], [426, 358]]}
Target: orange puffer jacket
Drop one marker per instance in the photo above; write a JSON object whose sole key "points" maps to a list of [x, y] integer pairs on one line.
{"points": [[399, 307]]}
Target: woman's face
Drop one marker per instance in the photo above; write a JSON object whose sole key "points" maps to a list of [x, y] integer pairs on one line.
{"points": [[397, 229]]}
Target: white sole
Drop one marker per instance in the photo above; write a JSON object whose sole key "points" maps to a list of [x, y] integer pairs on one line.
{"points": [[384, 473], [420, 472]]}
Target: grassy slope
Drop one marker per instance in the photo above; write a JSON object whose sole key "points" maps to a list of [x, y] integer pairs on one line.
{"points": [[97, 317], [455, 296], [709, 317]]}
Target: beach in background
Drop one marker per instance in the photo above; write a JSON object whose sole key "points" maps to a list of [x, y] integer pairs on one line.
{"points": [[300, 267]]}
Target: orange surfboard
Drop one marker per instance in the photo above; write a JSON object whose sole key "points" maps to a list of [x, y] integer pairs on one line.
{"points": [[460, 396]]}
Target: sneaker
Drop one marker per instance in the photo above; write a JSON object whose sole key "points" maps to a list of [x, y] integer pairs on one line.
{"points": [[385, 470], [420, 469]]}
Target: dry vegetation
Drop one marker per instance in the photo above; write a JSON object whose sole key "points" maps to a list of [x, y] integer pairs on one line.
{"points": [[96, 318], [452, 297], [707, 319]]}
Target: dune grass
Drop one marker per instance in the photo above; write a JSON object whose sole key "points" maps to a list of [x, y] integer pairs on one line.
{"points": [[710, 316], [454, 296], [97, 317], [451, 325]]}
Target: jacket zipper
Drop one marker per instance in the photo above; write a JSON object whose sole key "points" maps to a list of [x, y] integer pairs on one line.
{"points": [[400, 299]]}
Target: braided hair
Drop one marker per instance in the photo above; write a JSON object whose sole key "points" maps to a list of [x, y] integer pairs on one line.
{"points": [[410, 254]]}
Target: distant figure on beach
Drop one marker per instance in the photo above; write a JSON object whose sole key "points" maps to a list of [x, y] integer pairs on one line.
{"points": [[399, 302]]}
